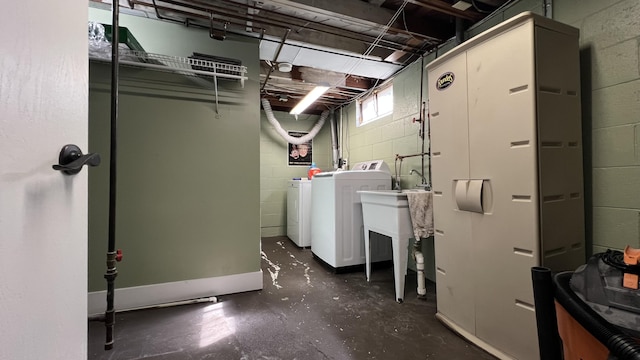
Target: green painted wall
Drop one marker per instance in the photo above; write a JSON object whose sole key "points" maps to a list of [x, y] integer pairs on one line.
{"points": [[610, 72], [275, 171], [188, 178], [394, 134]]}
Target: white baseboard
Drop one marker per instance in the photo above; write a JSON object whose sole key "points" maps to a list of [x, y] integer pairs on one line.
{"points": [[156, 294]]}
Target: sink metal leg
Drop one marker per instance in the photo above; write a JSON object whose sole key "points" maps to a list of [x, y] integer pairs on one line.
{"points": [[367, 253], [400, 245]]}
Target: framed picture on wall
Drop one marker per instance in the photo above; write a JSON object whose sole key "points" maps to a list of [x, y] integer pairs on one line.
{"points": [[299, 155]]}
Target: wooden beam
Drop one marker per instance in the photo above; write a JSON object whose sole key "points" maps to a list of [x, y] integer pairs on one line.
{"points": [[445, 8]]}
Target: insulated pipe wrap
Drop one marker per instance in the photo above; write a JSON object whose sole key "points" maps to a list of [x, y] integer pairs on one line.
{"points": [[283, 133]]}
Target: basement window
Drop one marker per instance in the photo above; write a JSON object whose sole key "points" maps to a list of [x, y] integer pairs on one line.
{"points": [[375, 106]]}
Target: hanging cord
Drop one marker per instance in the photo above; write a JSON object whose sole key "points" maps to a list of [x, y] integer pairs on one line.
{"points": [[615, 259], [479, 9]]}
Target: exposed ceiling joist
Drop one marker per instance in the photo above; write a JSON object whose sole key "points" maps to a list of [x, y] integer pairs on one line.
{"points": [[327, 39], [445, 8]]}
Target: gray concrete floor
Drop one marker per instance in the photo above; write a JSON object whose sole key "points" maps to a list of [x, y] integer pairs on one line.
{"points": [[304, 312]]}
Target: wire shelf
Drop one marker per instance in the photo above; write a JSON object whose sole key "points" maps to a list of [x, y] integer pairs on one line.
{"points": [[180, 65], [183, 65]]}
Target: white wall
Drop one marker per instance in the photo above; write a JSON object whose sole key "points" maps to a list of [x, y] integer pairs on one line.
{"points": [[43, 214]]}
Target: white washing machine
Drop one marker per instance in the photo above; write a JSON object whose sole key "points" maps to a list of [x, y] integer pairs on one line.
{"points": [[337, 230], [299, 212]]}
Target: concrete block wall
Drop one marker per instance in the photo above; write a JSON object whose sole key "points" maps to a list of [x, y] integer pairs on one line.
{"points": [[610, 71], [275, 171], [391, 135]]}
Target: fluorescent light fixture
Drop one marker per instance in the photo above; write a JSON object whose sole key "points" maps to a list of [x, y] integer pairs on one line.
{"points": [[312, 96], [461, 5]]}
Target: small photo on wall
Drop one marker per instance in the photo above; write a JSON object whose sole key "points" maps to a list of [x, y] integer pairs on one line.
{"points": [[299, 155]]}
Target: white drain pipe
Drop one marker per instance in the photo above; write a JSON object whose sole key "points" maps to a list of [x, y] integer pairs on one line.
{"points": [[419, 258]]}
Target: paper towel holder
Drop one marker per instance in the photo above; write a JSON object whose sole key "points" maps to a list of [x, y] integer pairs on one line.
{"points": [[474, 195]]}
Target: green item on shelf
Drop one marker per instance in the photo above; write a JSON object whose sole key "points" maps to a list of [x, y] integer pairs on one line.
{"points": [[124, 36]]}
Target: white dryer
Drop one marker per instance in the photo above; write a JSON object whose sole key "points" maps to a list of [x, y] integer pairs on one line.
{"points": [[337, 230], [299, 212]]}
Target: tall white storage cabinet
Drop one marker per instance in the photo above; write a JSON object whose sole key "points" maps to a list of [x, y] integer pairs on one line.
{"points": [[506, 148], [299, 212]]}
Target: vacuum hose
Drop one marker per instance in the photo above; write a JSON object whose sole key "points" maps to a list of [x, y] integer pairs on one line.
{"points": [[549, 341], [621, 345]]}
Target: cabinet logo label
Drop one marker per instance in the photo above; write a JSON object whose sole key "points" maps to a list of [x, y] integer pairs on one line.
{"points": [[445, 80]]}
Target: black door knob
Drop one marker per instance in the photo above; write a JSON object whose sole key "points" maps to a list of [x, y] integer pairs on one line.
{"points": [[71, 160]]}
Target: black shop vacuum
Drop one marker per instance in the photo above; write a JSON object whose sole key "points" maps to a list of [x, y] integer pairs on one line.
{"points": [[608, 282], [592, 312]]}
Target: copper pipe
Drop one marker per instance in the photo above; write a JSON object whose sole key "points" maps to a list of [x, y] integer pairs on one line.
{"points": [[401, 157]]}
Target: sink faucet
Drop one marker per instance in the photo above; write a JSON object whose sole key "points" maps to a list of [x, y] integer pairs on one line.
{"points": [[424, 181]]}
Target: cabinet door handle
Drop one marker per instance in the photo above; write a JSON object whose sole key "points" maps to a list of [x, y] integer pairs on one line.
{"points": [[71, 160]]}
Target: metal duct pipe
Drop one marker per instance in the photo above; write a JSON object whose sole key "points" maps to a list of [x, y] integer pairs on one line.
{"points": [[341, 141], [548, 8], [112, 272], [334, 140]]}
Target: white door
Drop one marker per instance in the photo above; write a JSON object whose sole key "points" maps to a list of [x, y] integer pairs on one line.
{"points": [[43, 213], [502, 148], [449, 163]]}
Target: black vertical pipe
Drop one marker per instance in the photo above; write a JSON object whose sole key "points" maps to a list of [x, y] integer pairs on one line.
{"points": [[459, 31], [112, 272], [422, 120], [548, 337]]}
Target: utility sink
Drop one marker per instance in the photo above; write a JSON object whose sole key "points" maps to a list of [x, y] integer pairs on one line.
{"points": [[386, 212], [388, 209]]}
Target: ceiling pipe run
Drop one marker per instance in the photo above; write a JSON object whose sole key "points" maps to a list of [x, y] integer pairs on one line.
{"points": [[284, 23], [275, 58], [445, 8], [307, 22]]}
